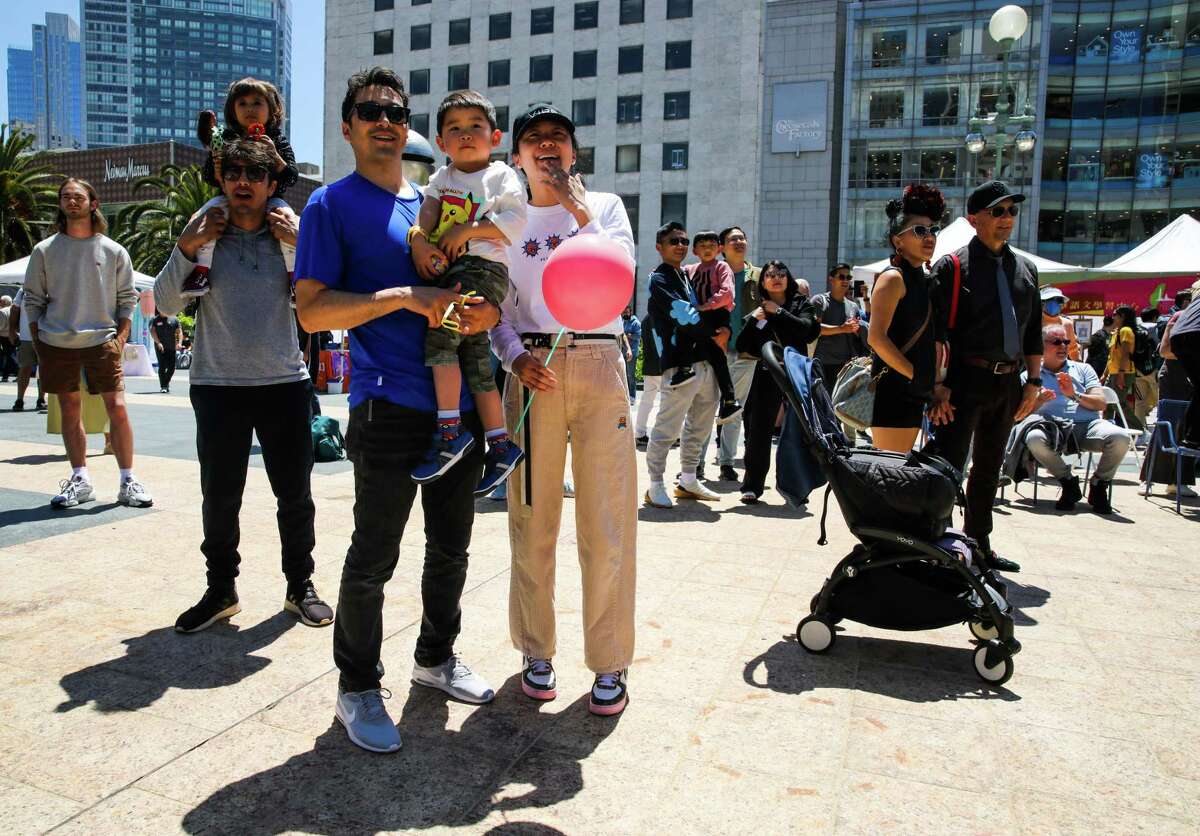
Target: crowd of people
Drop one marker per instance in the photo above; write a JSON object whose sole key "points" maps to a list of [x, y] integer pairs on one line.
{"points": [[433, 283]]}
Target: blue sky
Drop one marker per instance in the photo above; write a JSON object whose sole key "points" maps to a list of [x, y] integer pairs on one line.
{"points": [[308, 62]]}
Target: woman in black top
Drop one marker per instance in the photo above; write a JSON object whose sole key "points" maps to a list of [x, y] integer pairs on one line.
{"points": [[901, 334], [788, 319]]}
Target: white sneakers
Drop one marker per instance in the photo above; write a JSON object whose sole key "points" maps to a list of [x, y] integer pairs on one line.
{"points": [[134, 494], [693, 488], [657, 497], [456, 679], [73, 491]]}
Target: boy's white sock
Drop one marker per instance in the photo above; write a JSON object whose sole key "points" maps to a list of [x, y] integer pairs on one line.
{"points": [[82, 473], [126, 474]]}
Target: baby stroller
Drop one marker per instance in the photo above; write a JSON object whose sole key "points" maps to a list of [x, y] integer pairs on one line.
{"points": [[910, 571]]}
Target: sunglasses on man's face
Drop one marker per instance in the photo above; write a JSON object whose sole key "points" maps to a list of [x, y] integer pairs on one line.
{"points": [[842, 277], [1058, 343], [1001, 211], [922, 231], [678, 242], [372, 111], [253, 173]]}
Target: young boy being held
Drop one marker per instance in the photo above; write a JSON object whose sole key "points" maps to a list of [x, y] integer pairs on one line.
{"points": [[253, 109], [473, 208], [712, 282]]}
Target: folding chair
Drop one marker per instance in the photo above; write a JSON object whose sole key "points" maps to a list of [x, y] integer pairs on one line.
{"points": [[1170, 415], [1111, 398]]}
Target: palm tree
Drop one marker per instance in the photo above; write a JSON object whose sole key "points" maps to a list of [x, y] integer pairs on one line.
{"points": [[149, 229], [28, 195]]}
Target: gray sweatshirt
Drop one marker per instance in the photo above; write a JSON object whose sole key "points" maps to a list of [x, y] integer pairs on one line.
{"points": [[77, 289], [245, 328]]}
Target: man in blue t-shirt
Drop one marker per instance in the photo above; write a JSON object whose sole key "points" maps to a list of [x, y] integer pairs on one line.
{"points": [[1072, 390], [354, 271]]}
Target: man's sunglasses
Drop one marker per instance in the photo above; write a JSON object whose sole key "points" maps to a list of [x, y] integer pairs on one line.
{"points": [[371, 111], [678, 241], [1001, 211], [252, 173], [1059, 343], [922, 231], [842, 277]]}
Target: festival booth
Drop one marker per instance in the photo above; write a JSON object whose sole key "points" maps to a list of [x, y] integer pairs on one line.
{"points": [[1149, 275], [957, 235]]}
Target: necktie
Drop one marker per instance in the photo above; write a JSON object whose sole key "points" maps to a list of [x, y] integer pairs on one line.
{"points": [[1008, 314]]}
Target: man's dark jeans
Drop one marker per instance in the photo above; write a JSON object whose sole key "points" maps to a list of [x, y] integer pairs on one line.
{"points": [[166, 367], [226, 417], [984, 404], [385, 442]]}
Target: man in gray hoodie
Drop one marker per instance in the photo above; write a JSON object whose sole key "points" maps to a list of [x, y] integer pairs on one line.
{"points": [[79, 298], [248, 377]]}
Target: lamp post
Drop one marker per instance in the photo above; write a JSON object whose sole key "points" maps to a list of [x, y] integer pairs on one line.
{"points": [[1006, 27]]}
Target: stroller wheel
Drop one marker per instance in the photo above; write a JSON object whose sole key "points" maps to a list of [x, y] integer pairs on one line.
{"points": [[827, 615], [997, 674], [983, 630], [815, 634]]}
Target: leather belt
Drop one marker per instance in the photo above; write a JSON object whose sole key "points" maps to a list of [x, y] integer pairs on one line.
{"points": [[993, 366], [532, 340]]}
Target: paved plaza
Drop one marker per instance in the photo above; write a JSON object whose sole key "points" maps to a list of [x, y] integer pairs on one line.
{"points": [[110, 722]]}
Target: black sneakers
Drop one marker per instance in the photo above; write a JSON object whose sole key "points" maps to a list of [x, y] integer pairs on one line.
{"points": [[1002, 564], [214, 606], [1071, 493], [1100, 497], [728, 474], [681, 376], [303, 600]]}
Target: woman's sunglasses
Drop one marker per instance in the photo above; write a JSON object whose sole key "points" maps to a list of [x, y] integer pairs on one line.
{"points": [[253, 173], [1001, 211], [371, 111], [922, 231]]}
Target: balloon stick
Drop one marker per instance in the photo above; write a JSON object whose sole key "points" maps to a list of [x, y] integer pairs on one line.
{"points": [[549, 356]]}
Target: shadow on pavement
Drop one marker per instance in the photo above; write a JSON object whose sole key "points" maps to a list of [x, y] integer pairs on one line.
{"points": [[508, 756], [43, 512], [686, 510], [36, 458], [762, 509], [899, 669], [162, 659]]}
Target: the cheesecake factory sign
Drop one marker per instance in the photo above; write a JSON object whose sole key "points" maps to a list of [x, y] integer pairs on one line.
{"points": [[124, 171]]}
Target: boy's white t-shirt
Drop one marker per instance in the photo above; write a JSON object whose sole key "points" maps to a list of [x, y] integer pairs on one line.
{"points": [[494, 193], [524, 309]]}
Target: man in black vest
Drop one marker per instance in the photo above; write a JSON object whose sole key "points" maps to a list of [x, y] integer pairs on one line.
{"points": [[993, 326]]}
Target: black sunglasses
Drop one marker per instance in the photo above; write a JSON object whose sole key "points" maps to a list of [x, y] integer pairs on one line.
{"points": [[1058, 342], [371, 111], [678, 241], [922, 231], [253, 173], [1000, 211], [845, 277]]}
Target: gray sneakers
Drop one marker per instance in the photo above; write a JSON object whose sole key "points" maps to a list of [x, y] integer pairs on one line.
{"points": [[456, 679], [366, 720], [134, 494], [73, 491]]}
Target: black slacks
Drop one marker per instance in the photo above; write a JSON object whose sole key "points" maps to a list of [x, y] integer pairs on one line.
{"points": [[1187, 349], [762, 408], [166, 367]]}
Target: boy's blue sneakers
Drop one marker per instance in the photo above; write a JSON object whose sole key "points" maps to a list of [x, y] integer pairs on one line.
{"points": [[442, 455], [501, 459]]}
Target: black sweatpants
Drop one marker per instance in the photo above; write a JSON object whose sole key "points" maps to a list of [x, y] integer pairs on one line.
{"points": [[385, 442], [227, 417], [166, 367], [984, 404], [762, 408]]}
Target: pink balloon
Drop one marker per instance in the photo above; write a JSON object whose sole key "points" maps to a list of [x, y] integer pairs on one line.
{"points": [[587, 282]]}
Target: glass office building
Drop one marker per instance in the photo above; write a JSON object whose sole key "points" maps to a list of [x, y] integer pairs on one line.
{"points": [[152, 65], [1121, 145], [44, 84], [917, 71]]}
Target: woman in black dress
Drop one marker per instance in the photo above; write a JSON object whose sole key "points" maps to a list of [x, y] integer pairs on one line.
{"points": [[786, 318], [901, 334]]}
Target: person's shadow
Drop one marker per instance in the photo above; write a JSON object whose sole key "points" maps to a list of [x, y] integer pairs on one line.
{"points": [[161, 659], [507, 756]]}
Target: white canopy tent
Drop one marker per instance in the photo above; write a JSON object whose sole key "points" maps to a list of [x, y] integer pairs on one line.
{"points": [[1173, 251], [958, 234], [13, 273]]}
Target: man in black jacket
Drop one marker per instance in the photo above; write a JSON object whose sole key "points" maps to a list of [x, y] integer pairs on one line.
{"points": [[681, 335], [992, 318]]}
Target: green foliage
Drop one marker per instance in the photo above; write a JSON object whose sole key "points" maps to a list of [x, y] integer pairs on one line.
{"points": [[187, 323], [149, 229], [28, 196], [641, 356]]}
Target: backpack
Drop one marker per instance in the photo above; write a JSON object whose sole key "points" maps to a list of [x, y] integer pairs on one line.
{"points": [[1145, 351], [328, 444]]}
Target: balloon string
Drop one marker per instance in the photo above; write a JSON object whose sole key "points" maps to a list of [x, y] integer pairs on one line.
{"points": [[529, 403]]}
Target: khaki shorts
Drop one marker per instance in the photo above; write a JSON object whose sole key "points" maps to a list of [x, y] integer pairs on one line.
{"points": [[60, 368], [27, 355]]}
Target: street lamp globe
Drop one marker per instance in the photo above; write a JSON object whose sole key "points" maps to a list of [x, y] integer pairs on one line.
{"points": [[1008, 24], [975, 142], [1025, 141]]}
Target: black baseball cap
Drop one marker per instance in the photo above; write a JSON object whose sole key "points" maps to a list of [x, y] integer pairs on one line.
{"points": [[541, 110], [989, 194]]}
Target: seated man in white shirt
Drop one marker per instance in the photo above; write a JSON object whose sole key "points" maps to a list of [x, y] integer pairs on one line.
{"points": [[1072, 390]]}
